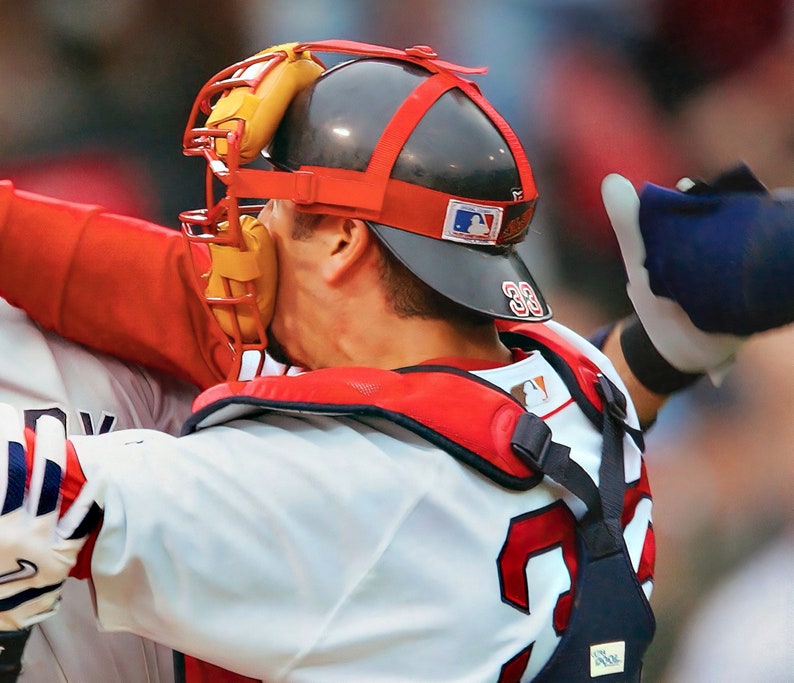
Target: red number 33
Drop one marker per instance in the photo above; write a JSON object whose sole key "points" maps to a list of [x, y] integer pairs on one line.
{"points": [[523, 300]]}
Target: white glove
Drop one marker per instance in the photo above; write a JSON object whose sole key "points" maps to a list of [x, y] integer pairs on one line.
{"points": [[672, 333], [37, 548]]}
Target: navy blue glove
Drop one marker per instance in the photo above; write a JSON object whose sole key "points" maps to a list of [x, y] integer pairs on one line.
{"points": [[723, 250], [665, 323]]}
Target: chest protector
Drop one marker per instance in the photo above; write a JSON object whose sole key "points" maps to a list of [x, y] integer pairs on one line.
{"points": [[611, 623]]}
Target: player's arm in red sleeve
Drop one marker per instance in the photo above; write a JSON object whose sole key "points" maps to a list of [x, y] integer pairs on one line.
{"points": [[118, 284]]}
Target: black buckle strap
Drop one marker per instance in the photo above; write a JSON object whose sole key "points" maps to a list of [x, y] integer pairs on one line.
{"points": [[614, 400], [612, 480], [532, 442], [615, 403], [601, 525]]}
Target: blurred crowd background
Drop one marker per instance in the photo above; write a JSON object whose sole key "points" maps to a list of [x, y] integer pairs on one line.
{"points": [[96, 94]]}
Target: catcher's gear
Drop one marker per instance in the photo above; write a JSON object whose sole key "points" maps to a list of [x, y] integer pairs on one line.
{"points": [[234, 270], [684, 346], [723, 250], [39, 541], [397, 138], [261, 107]]}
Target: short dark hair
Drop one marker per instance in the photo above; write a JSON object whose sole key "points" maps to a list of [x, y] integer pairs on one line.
{"points": [[408, 295]]}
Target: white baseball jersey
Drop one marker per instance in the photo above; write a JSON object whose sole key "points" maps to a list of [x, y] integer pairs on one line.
{"points": [[303, 547], [91, 393]]}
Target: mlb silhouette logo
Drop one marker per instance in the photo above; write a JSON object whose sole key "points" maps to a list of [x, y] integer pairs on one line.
{"points": [[467, 222]]}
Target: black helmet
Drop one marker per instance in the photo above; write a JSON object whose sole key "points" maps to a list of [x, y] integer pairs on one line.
{"points": [[399, 139]]}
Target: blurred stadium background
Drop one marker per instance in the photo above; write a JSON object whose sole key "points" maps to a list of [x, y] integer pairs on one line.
{"points": [[95, 98]]}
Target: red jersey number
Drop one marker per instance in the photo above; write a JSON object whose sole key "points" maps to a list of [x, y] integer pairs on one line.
{"points": [[531, 536]]}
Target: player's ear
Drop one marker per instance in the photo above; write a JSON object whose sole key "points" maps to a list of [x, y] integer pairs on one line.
{"points": [[350, 242]]}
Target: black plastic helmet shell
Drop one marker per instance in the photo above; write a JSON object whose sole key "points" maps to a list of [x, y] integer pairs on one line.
{"points": [[337, 121]]}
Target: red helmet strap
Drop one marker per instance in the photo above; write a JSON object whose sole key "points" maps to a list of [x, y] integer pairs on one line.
{"points": [[405, 120]]}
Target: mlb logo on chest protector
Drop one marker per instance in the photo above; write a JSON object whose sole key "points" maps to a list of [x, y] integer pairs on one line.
{"points": [[467, 222]]}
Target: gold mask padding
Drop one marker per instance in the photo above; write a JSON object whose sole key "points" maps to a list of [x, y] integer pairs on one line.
{"points": [[236, 273], [263, 107]]}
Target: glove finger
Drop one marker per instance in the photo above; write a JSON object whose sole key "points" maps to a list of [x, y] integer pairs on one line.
{"points": [[49, 462], [13, 467]]}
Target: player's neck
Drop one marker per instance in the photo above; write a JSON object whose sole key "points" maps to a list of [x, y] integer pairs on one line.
{"points": [[401, 342]]}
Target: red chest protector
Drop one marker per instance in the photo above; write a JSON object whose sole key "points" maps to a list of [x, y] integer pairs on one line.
{"points": [[508, 445]]}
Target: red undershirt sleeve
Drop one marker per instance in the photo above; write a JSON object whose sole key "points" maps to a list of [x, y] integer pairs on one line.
{"points": [[117, 284]]}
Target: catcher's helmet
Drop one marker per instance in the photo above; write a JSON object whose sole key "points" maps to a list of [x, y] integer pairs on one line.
{"points": [[459, 195], [397, 138]]}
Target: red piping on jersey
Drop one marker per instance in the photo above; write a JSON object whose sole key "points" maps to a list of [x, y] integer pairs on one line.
{"points": [[557, 409]]}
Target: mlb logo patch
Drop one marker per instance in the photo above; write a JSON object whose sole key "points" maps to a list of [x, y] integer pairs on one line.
{"points": [[531, 393], [467, 222]]}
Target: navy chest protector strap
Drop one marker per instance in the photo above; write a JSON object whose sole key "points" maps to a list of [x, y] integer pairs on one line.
{"points": [[611, 624]]}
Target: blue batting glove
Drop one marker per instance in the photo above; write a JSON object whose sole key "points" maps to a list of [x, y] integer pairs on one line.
{"points": [[724, 251]]}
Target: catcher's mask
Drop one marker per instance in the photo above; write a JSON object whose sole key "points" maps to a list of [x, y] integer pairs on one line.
{"points": [[397, 138]]}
